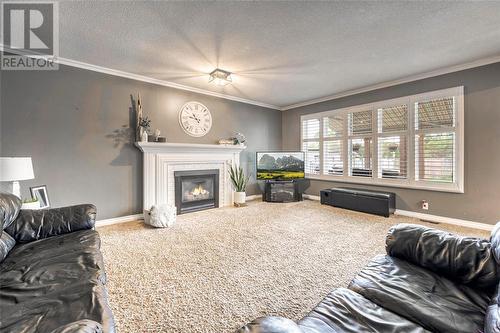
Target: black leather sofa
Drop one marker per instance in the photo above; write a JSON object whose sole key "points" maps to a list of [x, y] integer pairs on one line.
{"points": [[429, 281], [51, 271]]}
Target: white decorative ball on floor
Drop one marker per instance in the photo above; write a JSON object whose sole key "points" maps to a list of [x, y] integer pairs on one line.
{"points": [[161, 216]]}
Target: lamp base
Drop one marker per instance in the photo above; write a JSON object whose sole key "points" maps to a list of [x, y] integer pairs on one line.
{"points": [[16, 189]]}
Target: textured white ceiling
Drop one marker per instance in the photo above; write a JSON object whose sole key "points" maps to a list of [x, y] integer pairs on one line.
{"points": [[282, 53]]}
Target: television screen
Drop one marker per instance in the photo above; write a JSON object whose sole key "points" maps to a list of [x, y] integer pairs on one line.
{"points": [[280, 165]]}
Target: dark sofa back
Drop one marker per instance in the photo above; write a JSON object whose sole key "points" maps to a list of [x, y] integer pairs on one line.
{"points": [[466, 260]]}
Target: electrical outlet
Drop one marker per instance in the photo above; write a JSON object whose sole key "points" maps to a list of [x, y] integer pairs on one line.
{"points": [[425, 205]]}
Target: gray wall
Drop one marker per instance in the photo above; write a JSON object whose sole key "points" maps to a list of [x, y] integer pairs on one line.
{"points": [[481, 200], [76, 125]]}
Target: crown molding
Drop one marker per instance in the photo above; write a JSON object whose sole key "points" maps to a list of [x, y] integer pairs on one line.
{"points": [[386, 84], [416, 77], [137, 77], [142, 78]]}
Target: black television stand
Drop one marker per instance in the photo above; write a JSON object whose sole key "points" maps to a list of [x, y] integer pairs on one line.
{"points": [[283, 190]]}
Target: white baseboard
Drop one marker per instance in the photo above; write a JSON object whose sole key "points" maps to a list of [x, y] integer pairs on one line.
{"points": [[311, 197], [253, 197], [120, 219], [444, 219], [430, 217]]}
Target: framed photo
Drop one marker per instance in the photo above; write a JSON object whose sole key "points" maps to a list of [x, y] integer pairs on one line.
{"points": [[40, 193]]}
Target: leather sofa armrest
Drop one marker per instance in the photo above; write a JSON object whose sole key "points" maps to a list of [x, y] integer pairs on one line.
{"points": [[270, 325], [80, 326], [31, 225], [467, 260]]}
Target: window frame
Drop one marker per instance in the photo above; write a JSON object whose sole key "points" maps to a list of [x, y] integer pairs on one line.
{"points": [[410, 182]]}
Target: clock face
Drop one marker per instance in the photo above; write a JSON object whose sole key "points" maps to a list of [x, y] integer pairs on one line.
{"points": [[195, 119]]}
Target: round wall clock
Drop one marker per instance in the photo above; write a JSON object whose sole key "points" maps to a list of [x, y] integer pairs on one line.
{"points": [[195, 119]]}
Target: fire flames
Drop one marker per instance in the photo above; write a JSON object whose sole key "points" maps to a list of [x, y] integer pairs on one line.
{"points": [[199, 190]]}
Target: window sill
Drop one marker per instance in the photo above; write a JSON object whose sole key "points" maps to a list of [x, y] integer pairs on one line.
{"points": [[449, 188]]}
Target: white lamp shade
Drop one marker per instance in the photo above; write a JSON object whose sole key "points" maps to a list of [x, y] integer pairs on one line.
{"points": [[16, 168]]}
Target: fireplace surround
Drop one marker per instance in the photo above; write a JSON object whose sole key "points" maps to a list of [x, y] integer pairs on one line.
{"points": [[196, 190], [162, 160]]}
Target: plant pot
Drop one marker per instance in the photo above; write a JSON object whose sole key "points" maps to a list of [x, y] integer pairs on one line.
{"points": [[240, 197]]}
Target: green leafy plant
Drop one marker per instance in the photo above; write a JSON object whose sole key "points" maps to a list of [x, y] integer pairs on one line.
{"points": [[145, 122], [238, 179]]}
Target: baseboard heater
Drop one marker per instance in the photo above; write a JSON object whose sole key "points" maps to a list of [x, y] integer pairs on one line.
{"points": [[361, 200]]}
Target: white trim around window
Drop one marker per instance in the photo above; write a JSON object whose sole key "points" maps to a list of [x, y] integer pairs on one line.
{"points": [[425, 153]]}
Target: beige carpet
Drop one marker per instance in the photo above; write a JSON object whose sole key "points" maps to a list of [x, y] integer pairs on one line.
{"points": [[217, 269]]}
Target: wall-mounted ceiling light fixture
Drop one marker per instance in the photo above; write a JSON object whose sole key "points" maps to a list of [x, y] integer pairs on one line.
{"points": [[220, 77]]}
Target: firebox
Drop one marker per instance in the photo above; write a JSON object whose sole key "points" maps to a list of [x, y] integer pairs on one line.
{"points": [[196, 190]]}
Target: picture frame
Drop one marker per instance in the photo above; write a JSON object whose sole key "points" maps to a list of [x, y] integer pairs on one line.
{"points": [[40, 193]]}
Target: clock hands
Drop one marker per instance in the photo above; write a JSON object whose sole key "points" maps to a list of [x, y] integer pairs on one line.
{"points": [[195, 118]]}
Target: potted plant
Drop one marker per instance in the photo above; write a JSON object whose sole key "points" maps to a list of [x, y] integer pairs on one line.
{"points": [[239, 182], [144, 125]]}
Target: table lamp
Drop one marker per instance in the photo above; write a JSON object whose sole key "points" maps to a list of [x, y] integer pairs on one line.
{"points": [[14, 169]]}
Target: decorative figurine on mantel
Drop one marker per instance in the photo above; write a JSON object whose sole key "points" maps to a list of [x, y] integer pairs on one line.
{"points": [[238, 139]]}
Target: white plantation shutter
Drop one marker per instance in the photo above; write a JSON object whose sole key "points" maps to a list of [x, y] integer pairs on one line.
{"points": [[413, 141], [435, 140], [393, 119], [360, 122], [435, 157], [360, 125], [333, 158], [392, 157], [392, 123], [333, 131], [333, 126], [310, 145], [360, 157]]}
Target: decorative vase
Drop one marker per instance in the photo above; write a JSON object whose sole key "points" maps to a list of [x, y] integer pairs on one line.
{"points": [[240, 198], [144, 135]]}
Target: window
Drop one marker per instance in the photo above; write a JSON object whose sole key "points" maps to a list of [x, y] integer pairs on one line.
{"points": [[360, 143], [393, 141], [310, 145], [333, 129], [435, 140], [414, 141]]}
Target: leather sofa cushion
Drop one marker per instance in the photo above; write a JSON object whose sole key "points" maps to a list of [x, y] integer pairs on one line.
{"points": [[270, 324], [422, 296], [6, 244], [346, 311], [53, 282], [492, 320], [466, 260], [495, 241]]}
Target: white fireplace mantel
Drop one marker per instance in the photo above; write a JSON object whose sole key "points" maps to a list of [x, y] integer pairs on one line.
{"points": [[161, 160], [157, 147]]}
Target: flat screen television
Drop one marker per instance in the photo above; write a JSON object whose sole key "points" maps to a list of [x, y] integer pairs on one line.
{"points": [[280, 165]]}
